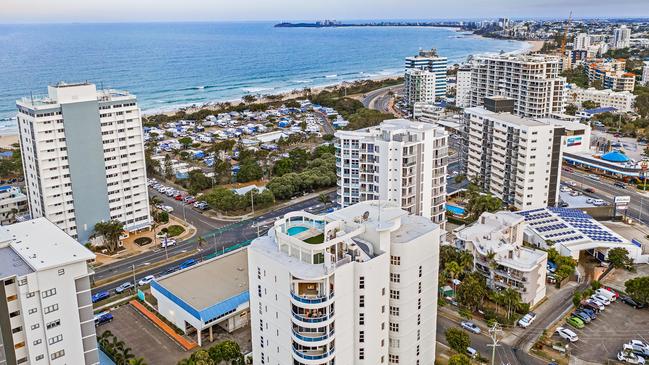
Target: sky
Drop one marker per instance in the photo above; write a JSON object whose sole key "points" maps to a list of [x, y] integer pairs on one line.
{"points": [[28, 11]]}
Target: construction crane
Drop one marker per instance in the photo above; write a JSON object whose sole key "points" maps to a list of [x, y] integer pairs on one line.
{"points": [[565, 34]]}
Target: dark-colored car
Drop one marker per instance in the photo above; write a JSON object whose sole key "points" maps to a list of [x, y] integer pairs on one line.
{"points": [[619, 184], [591, 306], [103, 317], [633, 303], [100, 296], [583, 316], [590, 190], [591, 313], [187, 263]]}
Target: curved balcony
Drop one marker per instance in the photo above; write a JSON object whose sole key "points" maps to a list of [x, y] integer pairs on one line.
{"points": [[302, 318], [313, 356], [312, 299], [316, 338]]}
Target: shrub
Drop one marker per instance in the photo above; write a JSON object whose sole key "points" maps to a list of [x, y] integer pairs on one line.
{"points": [[141, 241], [175, 230]]}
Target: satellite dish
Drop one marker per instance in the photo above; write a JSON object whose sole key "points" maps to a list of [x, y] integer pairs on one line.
{"points": [[366, 215]]}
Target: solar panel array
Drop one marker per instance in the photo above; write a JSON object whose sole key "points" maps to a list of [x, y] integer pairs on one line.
{"points": [[566, 225]]}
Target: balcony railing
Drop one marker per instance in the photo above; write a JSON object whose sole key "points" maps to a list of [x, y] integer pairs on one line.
{"points": [[312, 299], [302, 318], [318, 337], [313, 357]]}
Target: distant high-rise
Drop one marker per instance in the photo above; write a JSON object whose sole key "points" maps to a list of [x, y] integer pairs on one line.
{"points": [[532, 81], [621, 37], [46, 315], [431, 61], [419, 87], [357, 286], [400, 161], [582, 42], [463, 87], [83, 157], [645, 73]]}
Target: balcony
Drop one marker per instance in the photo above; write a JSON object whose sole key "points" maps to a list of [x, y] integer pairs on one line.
{"points": [[312, 336], [311, 299], [313, 355], [318, 319]]}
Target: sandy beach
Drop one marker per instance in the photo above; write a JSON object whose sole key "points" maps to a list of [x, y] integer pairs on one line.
{"points": [[6, 141], [535, 46]]}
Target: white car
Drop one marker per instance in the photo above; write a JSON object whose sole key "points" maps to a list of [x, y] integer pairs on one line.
{"points": [[590, 200], [167, 208], [567, 334], [593, 177], [627, 355], [527, 320], [167, 243], [470, 326], [146, 280], [639, 348], [601, 298], [597, 303], [572, 183], [599, 202]]}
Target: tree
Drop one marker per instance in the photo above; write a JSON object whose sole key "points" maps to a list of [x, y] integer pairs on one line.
{"points": [[222, 172], [137, 361], [638, 289], [283, 166], [249, 170], [226, 351], [619, 258], [511, 299], [459, 359], [110, 231], [185, 141], [198, 181], [472, 291], [457, 339], [168, 168], [453, 270], [465, 260], [324, 199], [571, 109]]}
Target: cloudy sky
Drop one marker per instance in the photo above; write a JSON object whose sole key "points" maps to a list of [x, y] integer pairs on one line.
{"points": [[16, 11]]}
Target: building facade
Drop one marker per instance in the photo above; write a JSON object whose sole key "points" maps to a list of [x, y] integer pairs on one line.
{"points": [[512, 265], [431, 61], [532, 81], [357, 286], [46, 313], [516, 159], [83, 157], [399, 161], [607, 98], [13, 203], [621, 37], [645, 73], [611, 74], [581, 42], [419, 87], [463, 87]]}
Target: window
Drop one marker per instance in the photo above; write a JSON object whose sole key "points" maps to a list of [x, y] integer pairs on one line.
{"points": [[361, 336], [14, 314], [29, 295], [395, 260], [49, 293], [394, 359], [361, 301], [57, 354], [39, 357], [420, 271], [394, 294], [55, 339], [419, 303], [61, 272], [53, 324], [361, 354], [51, 308], [395, 278], [418, 319], [37, 342], [16, 330], [419, 289], [394, 327], [394, 311], [35, 326], [361, 319], [361, 282]]}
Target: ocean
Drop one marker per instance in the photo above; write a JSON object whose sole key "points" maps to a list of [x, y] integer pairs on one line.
{"points": [[169, 65]]}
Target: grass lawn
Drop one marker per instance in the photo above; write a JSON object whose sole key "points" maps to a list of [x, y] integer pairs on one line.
{"points": [[315, 239]]}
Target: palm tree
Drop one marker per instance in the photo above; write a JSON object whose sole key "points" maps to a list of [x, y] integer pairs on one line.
{"points": [[491, 261], [110, 231], [453, 271], [200, 243], [324, 199], [511, 298], [466, 261]]}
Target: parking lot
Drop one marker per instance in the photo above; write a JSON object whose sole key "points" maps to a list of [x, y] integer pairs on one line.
{"points": [[604, 337], [148, 341]]}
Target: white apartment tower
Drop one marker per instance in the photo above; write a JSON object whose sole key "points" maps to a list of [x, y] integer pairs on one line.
{"points": [[463, 87], [429, 60], [516, 159], [357, 286], [419, 87], [400, 161], [533, 82], [582, 42], [645, 73], [83, 157], [46, 314], [621, 37]]}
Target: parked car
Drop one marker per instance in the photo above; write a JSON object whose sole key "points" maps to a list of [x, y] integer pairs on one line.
{"points": [[187, 263], [100, 296], [601, 299], [593, 177], [606, 294], [583, 316], [103, 317], [620, 185], [599, 305], [167, 208], [167, 243], [178, 197], [146, 280], [615, 293], [527, 319], [599, 202], [471, 352], [551, 266], [125, 286], [627, 355], [567, 334], [639, 348], [590, 190], [590, 312], [575, 322], [592, 306], [628, 300], [470, 326]]}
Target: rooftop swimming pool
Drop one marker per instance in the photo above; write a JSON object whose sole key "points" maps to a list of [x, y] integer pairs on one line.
{"points": [[455, 209], [292, 231]]}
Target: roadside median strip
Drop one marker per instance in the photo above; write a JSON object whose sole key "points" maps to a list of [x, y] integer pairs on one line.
{"points": [[182, 341]]}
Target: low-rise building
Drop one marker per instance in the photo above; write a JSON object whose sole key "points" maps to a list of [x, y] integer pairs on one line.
{"points": [[620, 100], [496, 242], [611, 73], [13, 203], [212, 293], [46, 313]]}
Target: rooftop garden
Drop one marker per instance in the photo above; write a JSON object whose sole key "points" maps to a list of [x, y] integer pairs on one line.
{"points": [[317, 239]]}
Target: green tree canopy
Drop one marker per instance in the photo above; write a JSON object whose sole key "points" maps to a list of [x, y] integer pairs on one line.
{"points": [[638, 289], [110, 231], [459, 359], [457, 339], [619, 258]]}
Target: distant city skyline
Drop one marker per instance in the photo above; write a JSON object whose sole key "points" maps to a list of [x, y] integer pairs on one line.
{"points": [[29, 11]]}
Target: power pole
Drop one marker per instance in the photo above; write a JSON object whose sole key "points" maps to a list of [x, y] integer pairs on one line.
{"points": [[493, 333]]}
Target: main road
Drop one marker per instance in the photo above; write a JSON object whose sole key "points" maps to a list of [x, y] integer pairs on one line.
{"points": [[380, 99]]}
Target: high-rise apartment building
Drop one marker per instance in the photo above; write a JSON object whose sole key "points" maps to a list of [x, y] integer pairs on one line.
{"points": [[516, 159], [645, 73], [621, 37], [581, 42], [533, 82], [463, 87], [357, 286], [83, 157], [419, 87], [399, 161], [46, 314], [429, 60]]}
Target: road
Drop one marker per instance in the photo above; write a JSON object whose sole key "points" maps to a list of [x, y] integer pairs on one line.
{"points": [[604, 189], [217, 233], [380, 99]]}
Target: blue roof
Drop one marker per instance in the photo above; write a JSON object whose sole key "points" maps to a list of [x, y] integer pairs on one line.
{"points": [[5, 187], [600, 110], [615, 156]]}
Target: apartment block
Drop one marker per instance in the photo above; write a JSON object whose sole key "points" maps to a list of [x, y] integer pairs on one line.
{"points": [[83, 157], [46, 314], [645, 73], [611, 74], [512, 265], [532, 81], [431, 61], [400, 161], [419, 87], [621, 38], [13, 203], [516, 159], [463, 87], [357, 286], [581, 42], [607, 98]]}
